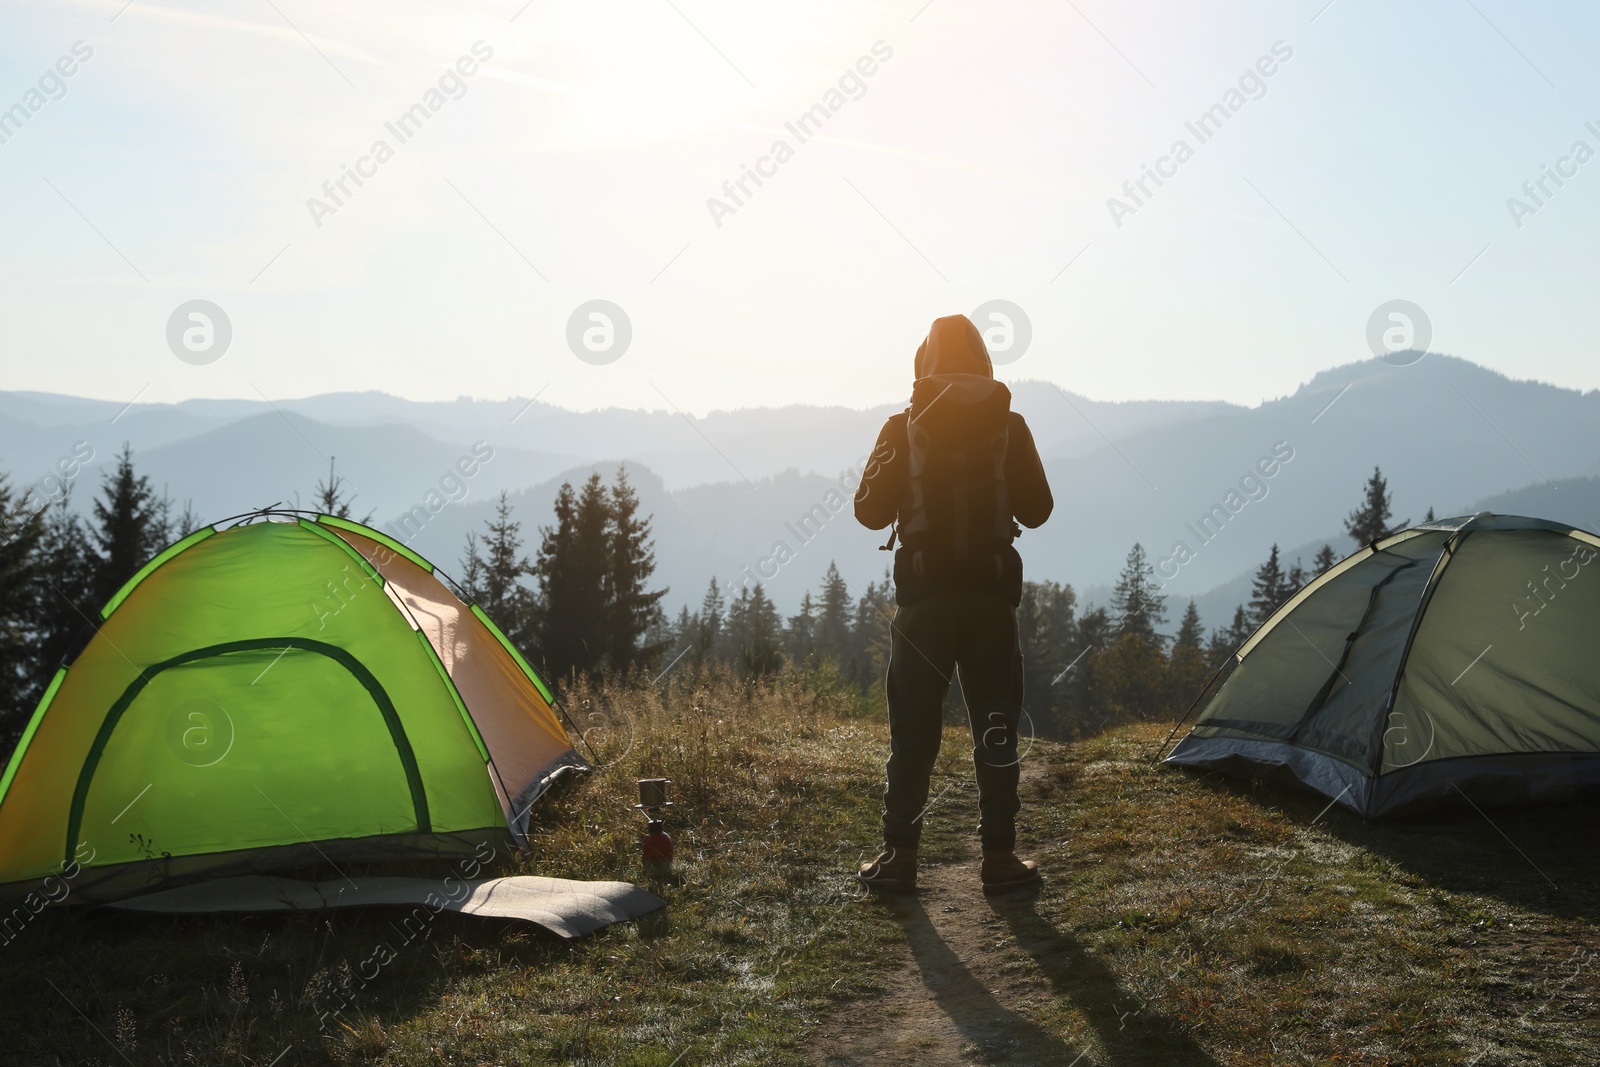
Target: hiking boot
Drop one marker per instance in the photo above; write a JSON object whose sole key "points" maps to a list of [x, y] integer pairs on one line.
{"points": [[1003, 873], [894, 871]]}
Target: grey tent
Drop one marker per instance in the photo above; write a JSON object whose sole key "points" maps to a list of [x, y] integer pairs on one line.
{"points": [[1458, 659]]}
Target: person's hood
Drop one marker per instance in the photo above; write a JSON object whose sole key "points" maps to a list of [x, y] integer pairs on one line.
{"points": [[953, 346]]}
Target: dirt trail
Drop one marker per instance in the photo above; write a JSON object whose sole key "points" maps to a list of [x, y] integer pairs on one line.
{"points": [[962, 970]]}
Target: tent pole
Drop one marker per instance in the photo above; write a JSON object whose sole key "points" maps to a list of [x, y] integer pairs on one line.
{"points": [[1192, 705], [577, 732]]}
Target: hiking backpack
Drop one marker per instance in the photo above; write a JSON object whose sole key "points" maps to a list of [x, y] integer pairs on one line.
{"points": [[956, 514]]}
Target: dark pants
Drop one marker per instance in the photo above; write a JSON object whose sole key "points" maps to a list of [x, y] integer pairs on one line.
{"points": [[976, 631]]}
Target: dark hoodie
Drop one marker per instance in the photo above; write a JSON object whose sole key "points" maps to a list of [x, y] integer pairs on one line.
{"points": [[955, 382]]}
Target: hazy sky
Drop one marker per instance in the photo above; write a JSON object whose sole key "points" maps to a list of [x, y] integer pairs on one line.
{"points": [[974, 163]]}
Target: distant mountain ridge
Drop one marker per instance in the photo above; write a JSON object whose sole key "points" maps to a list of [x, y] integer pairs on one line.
{"points": [[685, 451], [730, 487]]}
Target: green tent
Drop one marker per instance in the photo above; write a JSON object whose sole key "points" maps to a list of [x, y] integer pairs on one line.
{"points": [[1455, 660], [284, 691]]}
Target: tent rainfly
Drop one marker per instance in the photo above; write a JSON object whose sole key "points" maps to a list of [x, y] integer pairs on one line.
{"points": [[1455, 660], [283, 692]]}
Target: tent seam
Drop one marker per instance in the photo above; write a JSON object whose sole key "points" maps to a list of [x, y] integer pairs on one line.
{"points": [[455, 694], [386, 708], [379, 536], [345, 547], [1452, 545]]}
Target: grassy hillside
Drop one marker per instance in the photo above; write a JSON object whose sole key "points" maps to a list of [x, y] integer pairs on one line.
{"points": [[1184, 920], [1198, 920], [760, 938]]}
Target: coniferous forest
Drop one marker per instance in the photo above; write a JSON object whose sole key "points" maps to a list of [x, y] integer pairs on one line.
{"points": [[578, 597]]}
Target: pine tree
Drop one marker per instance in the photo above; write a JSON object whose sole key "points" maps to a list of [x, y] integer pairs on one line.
{"points": [[188, 522], [754, 633], [1218, 649], [708, 638], [573, 581], [663, 638], [1267, 589], [1190, 631], [592, 616], [1134, 677], [1047, 633], [130, 526], [833, 620], [472, 570], [736, 626], [633, 608], [23, 535], [1241, 629], [1226, 642], [871, 634], [594, 609], [67, 577], [762, 652], [1324, 559], [494, 570], [1087, 696], [1370, 521], [331, 498], [1137, 600], [1296, 580], [499, 591], [1186, 669], [683, 640], [1429, 516], [802, 634]]}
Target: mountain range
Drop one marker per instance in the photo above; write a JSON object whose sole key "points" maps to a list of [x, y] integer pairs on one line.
{"points": [[1206, 487]]}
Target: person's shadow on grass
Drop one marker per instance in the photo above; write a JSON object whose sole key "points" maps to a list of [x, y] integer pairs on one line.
{"points": [[999, 1034], [1132, 1031]]}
